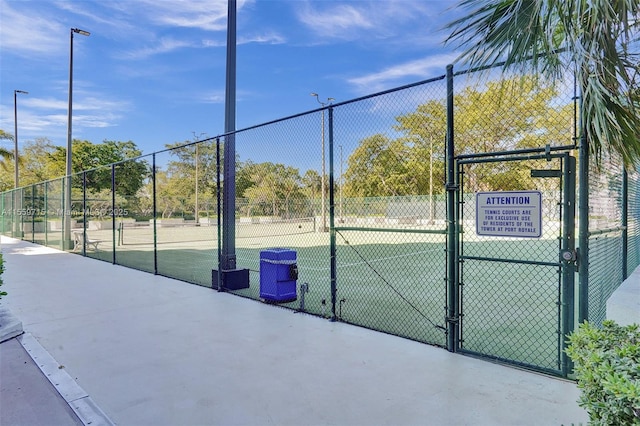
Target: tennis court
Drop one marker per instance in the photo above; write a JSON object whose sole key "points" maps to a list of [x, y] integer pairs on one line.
{"points": [[388, 278], [403, 254]]}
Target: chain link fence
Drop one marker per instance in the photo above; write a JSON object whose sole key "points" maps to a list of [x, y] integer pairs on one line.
{"points": [[632, 215], [360, 191], [605, 234], [511, 293]]}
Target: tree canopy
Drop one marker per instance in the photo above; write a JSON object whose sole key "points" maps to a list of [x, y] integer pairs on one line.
{"points": [[504, 115], [598, 40], [91, 157], [5, 154], [40, 161]]}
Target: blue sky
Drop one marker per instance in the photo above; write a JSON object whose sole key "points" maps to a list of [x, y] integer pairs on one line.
{"points": [[153, 71]]}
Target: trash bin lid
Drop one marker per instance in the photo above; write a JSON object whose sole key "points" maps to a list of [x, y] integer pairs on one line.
{"points": [[278, 254]]}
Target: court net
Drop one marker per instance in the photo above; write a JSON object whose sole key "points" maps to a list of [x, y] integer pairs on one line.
{"points": [[167, 233]]}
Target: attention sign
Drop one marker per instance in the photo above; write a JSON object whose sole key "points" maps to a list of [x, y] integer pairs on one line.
{"points": [[509, 214]]}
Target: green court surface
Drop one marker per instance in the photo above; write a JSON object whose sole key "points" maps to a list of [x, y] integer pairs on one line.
{"points": [[391, 280]]}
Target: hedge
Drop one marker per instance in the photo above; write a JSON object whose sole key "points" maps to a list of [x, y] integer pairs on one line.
{"points": [[607, 369]]}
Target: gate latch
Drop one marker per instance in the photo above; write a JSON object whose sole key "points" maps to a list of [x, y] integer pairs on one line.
{"points": [[568, 255]]}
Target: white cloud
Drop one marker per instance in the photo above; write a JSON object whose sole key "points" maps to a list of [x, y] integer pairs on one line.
{"points": [[79, 9], [163, 45], [107, 119], [49, 116], [353, 20], [216, 97], [169, 44], [208, 15], [27, 33], [96, 103], [214, 43], [340, 21], [44, 103], [267, 38], [418, 69]]}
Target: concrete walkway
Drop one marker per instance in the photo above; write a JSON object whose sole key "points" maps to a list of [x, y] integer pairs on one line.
{"points": [[150, 350], [26, 396]]}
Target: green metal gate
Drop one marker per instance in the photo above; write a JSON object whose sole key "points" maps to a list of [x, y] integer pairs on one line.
{"points": [[516, 257]]}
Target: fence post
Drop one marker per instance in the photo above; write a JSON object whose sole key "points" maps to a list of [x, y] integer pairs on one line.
{"points": [[153, 201], [625, 222], [33, 217], [229, 205], [229, 199], [568, 266], [219, 214], [583, 239], [84, 213], [63, 219], [452, 314], [113, 212], [46, 213], [332, 233]]}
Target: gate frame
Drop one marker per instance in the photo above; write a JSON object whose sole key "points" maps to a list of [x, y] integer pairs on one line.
{"points": [[568, 266]]}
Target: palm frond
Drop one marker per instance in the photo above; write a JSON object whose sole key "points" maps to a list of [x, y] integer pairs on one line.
{"points": [[524, 34], [601, 38], [5, 135]]}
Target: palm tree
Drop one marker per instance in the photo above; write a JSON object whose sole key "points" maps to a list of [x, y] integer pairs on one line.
{"points": [[5, 154], [597, 39]]}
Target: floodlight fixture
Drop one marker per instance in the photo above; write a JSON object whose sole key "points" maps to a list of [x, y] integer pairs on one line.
{"points": [[81, 32]]}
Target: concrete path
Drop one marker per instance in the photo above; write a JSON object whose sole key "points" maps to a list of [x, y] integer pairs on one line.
{"points": [[26, 396], [150, 350]]}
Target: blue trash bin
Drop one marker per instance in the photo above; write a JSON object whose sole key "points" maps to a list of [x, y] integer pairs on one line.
{"points": [[278, 275]]}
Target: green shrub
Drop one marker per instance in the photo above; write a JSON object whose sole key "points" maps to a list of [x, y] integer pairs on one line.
{"points": [[607, 367], [2, 293]]}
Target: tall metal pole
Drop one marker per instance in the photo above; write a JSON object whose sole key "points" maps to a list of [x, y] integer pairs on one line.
{"points": [[452, 316], [323, 184], [583, 214], [332, 234], [17, 200], [155, 215], [15, 133], [197, 210], [67, 201], [228, 258], [568, 267], [197, 218]]}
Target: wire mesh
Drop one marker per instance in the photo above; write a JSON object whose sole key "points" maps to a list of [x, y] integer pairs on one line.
{"points": [[133, 210], [185, 247], [54, 211], [605, 234], [390, 212], [280, 205], [393, 282], [357, 190], [633, 223], [510, 285], [510, 274]]}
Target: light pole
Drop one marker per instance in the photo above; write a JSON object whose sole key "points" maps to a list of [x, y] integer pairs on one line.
{"points": [[67, 202], [15, 133], [197, 138], [323, 178], [17, 200]]}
